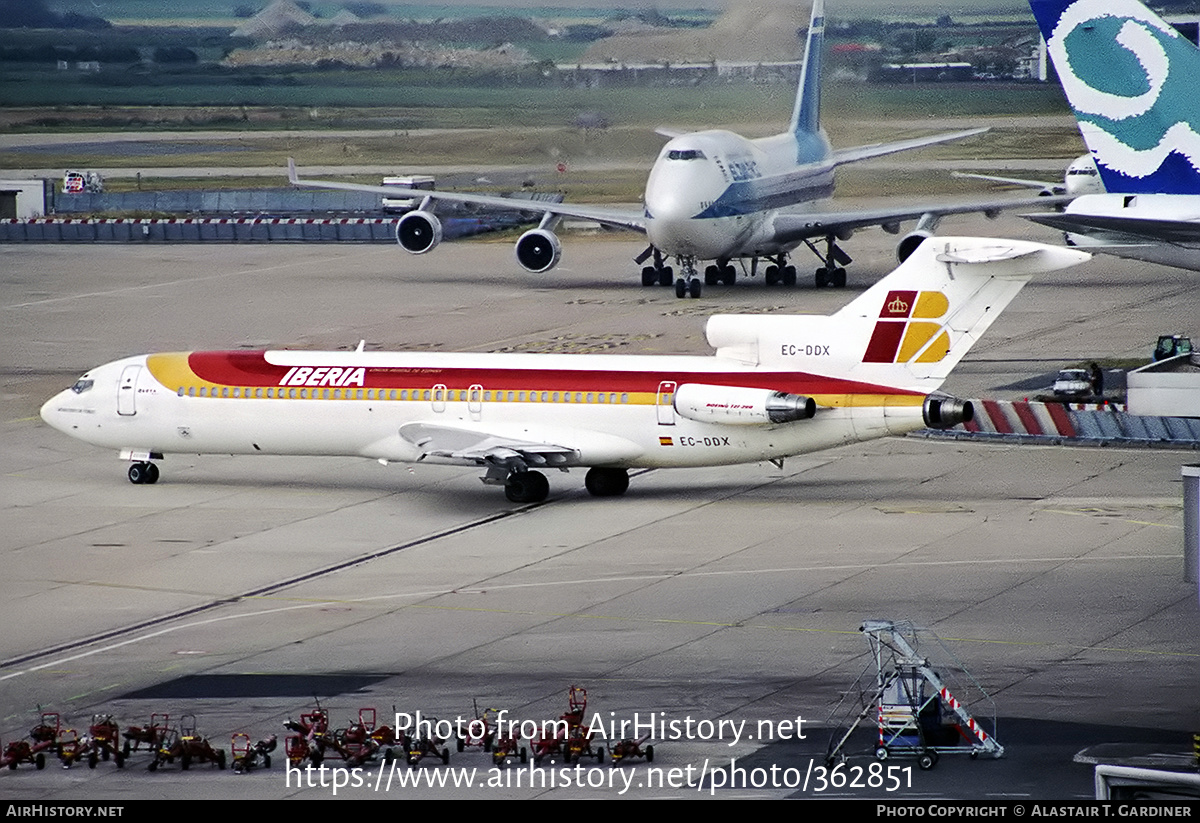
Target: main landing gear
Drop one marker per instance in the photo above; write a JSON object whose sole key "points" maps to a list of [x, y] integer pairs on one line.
{"points": [[526, 487], [143, 472], [533, 487], [832, 273], [602, 482]]}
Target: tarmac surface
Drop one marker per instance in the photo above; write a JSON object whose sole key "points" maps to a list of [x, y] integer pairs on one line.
{"points": [[240, 589]]}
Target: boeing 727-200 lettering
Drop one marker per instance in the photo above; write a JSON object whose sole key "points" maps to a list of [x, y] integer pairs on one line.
{"points": [[716, 195], [777, 386]]}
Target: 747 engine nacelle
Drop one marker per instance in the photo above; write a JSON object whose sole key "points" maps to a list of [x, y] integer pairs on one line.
{"points": [[419, 232], [538, 250], [739, 406]]}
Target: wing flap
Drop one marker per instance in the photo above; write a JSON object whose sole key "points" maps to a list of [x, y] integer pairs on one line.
{"points": [[479, 447]]}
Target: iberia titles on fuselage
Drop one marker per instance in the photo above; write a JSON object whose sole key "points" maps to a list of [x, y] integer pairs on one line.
{"points": [[777, 386]]}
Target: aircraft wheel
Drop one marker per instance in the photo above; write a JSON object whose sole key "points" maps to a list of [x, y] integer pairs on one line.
{"points": [[789, 275], [839, 278], [729, 275], [681, 288], [137, 473], [772, 275], [712, 275], [820, 278], [649, 276], [606, 482], [666, 276], [694, 287], [151, 474], [527, 487]]}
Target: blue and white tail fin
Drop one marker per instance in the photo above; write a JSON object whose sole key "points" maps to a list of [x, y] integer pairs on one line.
{"points": [[1131, 80], [806, 116], [908, 330]]}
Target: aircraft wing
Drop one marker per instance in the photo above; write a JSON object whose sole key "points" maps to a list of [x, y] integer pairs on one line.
{"points": [[482, 448], [792, 228], [1122, 230], [854, 155], [1049, 188], [617, 218]]}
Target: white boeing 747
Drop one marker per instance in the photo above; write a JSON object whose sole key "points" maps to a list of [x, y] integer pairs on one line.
{"points": [[777, 386], [716, 195]]}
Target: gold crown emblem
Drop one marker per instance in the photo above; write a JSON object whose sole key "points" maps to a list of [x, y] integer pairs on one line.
{"points": [[897, 306]]}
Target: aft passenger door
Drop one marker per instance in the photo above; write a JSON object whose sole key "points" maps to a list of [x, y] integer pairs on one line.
{"points": [[127, 391]]}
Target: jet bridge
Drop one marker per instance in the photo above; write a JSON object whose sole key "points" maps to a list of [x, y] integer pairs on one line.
{"points": [[910, 699]]}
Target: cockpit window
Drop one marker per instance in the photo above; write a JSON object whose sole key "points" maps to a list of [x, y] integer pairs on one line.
{"points": [[82, 385], [685, 154]]}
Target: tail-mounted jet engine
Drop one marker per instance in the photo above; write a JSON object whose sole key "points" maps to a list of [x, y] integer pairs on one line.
{"points": [[924, 229], [538, 250], [945, 412], [418, 232], [739, 406]]}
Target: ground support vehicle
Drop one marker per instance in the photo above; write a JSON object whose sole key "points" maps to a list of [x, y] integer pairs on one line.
{"points": [[505, 748], [310, 738], [103, 741], [150, 735], [571, 737], [480, 733], [188, 747], [425, 746], [362, 741], [914, 708], [246, 757], [630, 748], [42, 738]]}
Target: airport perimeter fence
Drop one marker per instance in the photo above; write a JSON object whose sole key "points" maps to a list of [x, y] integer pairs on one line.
{"points": [[228, 229], [228, 202]]}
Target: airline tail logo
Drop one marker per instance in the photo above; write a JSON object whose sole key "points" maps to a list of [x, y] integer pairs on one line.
{"points": [[909, 329], [1130, 78]]}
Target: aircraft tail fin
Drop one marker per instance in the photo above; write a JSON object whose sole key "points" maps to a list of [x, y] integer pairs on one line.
{"points": [[1130, 79], [913, 327], [908, 330], [806, 116]]}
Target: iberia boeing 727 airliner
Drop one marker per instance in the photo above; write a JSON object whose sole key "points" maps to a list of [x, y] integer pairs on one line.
{"points": [[777, 386]]}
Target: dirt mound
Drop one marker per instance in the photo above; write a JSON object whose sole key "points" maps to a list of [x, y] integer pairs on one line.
{"points": [[749, 31]]}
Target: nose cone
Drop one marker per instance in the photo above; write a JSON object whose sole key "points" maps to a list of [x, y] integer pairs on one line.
{"points": [[52, 411]]}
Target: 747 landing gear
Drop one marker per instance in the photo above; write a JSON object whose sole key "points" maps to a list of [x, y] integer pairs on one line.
{"points": [[832, 272], [143, 472], [526, 487], [720, 273], [605, 482], [688, 285]]}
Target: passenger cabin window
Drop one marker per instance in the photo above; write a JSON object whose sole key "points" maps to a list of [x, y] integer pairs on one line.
{"points": [[685, 154]]}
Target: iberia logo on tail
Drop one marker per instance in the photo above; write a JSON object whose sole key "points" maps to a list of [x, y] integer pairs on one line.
{"points": [[908, 329]]}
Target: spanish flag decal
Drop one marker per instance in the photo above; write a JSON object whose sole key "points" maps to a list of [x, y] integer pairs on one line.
{"points": [[908, 329], [666, 441]]}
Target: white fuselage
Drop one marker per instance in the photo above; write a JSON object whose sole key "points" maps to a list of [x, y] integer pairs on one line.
{"points": [[1160, 211], [711, 195], [610, 410]]}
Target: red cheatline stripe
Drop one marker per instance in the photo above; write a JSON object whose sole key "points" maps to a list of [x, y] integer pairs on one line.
{"points": [[996, 415], [1025, 414], [1062, 420]]}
